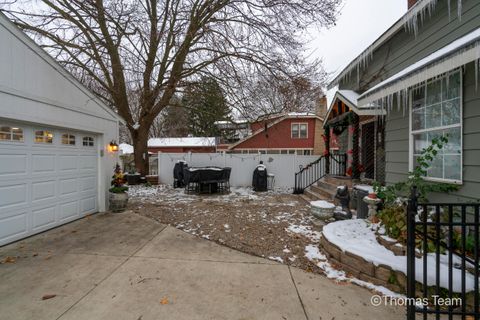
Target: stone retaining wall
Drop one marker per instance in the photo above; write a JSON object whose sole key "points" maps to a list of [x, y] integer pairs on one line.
{"points": [[358, 267]]}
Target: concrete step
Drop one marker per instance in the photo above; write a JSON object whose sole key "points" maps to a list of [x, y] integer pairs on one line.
{"points": [[305, 198], [339, 180], [327, 186], [325, 193], [313, 196]]}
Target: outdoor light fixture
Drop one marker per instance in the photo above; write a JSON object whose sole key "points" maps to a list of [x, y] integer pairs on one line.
{"points": [[113, 146]]}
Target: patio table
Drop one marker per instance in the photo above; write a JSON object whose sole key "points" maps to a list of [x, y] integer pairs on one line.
{"points": [[206, 179]]}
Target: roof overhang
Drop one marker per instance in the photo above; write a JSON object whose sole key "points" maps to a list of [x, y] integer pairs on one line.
{"points": [[458, 53], [350, 98], [418, 9]]}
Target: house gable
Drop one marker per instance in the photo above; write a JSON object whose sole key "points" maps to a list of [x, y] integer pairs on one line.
{"points": [[279, 136], [28, 71]]}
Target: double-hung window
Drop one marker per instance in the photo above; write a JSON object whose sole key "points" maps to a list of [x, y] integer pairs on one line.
{"points": [[437, 111], [299, 130]]}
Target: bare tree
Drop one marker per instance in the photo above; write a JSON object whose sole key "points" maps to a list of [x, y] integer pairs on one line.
{"points": [[274, 95], [151, 47]]}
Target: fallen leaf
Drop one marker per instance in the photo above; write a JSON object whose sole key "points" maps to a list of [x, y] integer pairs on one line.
{"points": [[9, 260], [164, 301], [48, 296]]}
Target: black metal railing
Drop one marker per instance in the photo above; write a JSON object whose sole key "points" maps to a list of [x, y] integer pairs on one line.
{"points": [[335, 164], [446, 236]]}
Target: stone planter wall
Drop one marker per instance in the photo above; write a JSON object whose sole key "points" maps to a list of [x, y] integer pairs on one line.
{"points": [[358, 267], [381, 275]]}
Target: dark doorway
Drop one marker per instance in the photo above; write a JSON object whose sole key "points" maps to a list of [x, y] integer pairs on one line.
{"points": [[368, 149]]}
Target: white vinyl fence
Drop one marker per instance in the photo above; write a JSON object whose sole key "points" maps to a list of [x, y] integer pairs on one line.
{"points": [[283, 166]]}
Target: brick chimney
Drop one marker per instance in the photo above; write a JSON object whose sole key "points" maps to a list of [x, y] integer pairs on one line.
{"points": [[321, 108], [411, 3]]}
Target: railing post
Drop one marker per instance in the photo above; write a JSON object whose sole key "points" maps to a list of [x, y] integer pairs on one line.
{"points": [[327, 163], [411, 213]]}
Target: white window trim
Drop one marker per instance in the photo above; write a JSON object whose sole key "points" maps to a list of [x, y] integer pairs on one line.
{"points": [[69, 135], [44, 142], [298, 123], [410, 133], [88, 146], [12, 134]]}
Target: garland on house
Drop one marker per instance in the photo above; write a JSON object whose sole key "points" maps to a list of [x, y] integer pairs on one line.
{"points": [[341, 125], [338, 128]]}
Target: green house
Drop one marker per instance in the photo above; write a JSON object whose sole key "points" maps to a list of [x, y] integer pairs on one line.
{"points": [[418, 81]]}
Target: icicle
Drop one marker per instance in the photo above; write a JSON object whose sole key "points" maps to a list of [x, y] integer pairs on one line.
{"points": [[476, 74], [460, 9], [449, 10]]}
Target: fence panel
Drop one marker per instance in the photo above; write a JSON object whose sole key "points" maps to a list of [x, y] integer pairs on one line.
{"points": [[283, 166], [446, 236]]}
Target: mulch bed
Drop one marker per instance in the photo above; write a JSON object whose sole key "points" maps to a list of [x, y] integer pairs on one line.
{"points": [[274, 225]]}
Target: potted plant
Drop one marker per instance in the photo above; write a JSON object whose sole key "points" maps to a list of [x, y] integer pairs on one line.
{"points": [[118, 191]]}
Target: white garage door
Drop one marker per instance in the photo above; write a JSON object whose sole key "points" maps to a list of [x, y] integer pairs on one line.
{"points": [[48, 177]]}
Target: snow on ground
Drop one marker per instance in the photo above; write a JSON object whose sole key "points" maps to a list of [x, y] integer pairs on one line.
{"points": [[306, 231], [312, 252], [275, 224], [357, 237]]}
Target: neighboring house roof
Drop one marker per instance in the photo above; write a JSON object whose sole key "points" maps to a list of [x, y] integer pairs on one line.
{"points": [[292, 115], [350, 98], [409, 20], [21, 36], [182, 142], [457, 53], [125, 148]]}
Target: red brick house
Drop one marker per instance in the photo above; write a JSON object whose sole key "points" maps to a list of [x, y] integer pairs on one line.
{"points": [[291, 133]]}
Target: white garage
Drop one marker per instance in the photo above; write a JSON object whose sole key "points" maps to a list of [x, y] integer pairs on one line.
{"points": [[55, 164]]}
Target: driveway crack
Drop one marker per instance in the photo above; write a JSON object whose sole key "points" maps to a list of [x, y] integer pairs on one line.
{"points": [[298, 293]]}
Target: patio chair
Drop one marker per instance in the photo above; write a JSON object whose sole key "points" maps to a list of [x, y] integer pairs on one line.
{"points": [[224, 182], [190, 184]]}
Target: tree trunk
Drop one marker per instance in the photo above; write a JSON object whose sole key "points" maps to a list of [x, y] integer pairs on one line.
{"points": [[140, 148]]}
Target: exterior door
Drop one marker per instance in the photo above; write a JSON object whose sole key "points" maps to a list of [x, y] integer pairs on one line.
{"points": [[368, 149]]}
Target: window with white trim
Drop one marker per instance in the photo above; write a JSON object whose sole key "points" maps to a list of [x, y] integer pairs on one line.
{"points": [[437, 111], [68, 139], [43, 136], [88, 142], [299, 130], [8, 133]]}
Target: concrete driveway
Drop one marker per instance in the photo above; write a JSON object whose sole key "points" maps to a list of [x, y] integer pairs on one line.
{"points": [[124, 266]]}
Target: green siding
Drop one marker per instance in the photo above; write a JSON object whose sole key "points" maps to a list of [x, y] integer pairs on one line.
{"points": [[401, 51], [405, 48], [397, 140]]}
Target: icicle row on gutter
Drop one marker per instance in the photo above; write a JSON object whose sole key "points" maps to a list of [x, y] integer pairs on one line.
{"points": [[410, 21], [444, 68]]}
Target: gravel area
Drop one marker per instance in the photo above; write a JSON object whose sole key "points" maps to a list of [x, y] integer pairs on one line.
{"points": [[276, 225]]}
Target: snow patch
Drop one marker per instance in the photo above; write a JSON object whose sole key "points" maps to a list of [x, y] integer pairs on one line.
{"points": [[305, 231], [357, 237], [313, 253], [322, 204], [278, 259]]}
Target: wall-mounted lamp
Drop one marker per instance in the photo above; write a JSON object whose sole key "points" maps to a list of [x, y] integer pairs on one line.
{"points": [[113, 146]]}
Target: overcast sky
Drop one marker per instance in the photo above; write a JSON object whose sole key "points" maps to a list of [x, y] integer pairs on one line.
{"points": [[360, 23]]}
